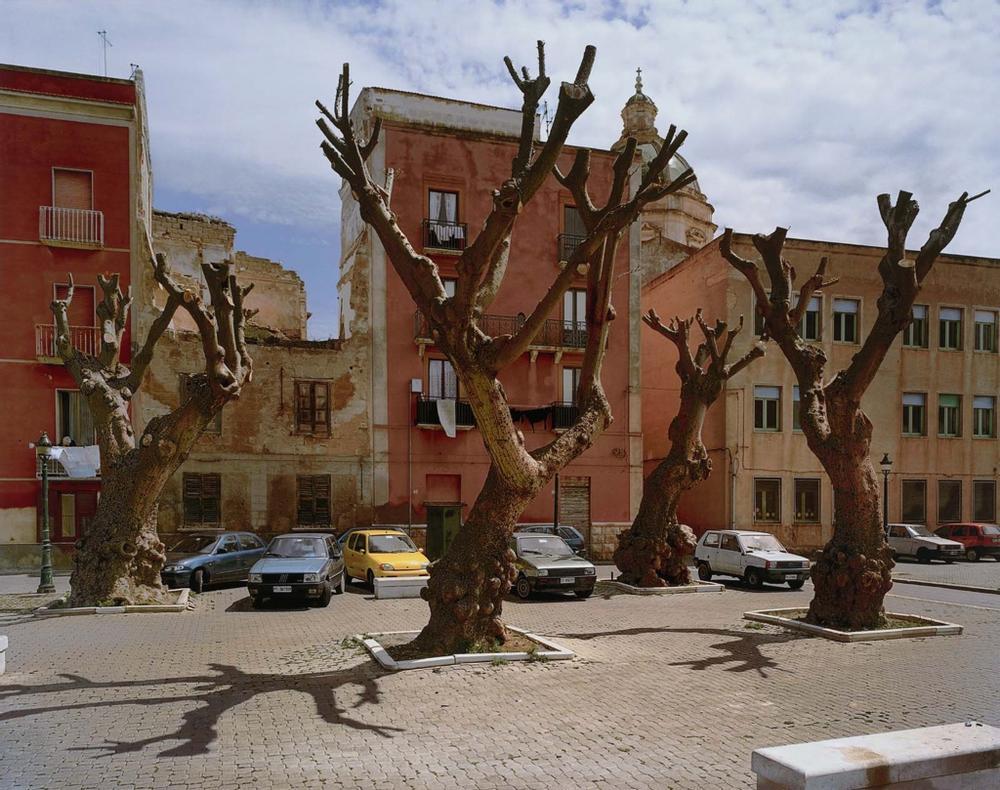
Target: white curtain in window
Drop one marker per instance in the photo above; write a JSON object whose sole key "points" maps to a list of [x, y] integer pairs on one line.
{"points": [[795, 394], [951, 314], [443, 206], [770, 393], [845, 306], [982, 402], [920, 311], [913, 399], [986, 317]]}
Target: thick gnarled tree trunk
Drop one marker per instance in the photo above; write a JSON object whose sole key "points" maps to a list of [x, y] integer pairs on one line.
{"points": [[655, 550], [118, 560], [467, 585], [854, 571]]}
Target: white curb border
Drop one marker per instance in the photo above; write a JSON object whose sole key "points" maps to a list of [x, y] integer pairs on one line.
{"points": [[694, 587], [554, 652], [181, 606], [933, 627]]}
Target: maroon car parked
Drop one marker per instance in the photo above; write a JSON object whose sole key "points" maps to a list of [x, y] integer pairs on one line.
{"points": [[980, 540]]}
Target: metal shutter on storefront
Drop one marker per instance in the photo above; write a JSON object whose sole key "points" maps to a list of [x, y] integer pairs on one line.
{"points": [[574, 503]]}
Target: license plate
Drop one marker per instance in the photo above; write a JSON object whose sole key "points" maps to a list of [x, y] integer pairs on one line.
{"points": [[793, 576], [566, 580], [281, 588]]}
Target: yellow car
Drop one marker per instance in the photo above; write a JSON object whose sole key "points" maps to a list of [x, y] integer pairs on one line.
{"points": [[382, 552]]}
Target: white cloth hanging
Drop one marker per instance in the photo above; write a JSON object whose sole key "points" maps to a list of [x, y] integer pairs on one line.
{"points": [[446, 416], [80, 462]]}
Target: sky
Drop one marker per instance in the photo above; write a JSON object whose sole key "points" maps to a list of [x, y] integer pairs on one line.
{"points": [[798, 113]]}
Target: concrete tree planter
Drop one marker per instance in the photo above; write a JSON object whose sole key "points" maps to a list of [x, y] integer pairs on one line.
{"points": [[694, 587], [3, 654], [923, 626], [548, 651], [180, 604]]}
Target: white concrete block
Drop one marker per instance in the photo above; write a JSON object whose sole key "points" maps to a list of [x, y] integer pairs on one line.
{"points": [[400, 588], [3, 654], [950, 756]]}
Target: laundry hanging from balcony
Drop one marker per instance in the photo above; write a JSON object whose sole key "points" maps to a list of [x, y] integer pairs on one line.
{"points": [[83, 462], [534, 416], [446, 416]]}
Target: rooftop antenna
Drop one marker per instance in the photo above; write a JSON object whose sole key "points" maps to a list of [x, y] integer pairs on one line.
{"points": [[546, 117], [104, 40]]}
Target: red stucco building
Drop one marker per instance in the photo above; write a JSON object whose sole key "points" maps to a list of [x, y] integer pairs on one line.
{"points": [[447, 157], [74, 184]]}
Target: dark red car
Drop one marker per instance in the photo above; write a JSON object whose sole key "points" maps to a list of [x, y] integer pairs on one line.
{"points": [[980, 540]]}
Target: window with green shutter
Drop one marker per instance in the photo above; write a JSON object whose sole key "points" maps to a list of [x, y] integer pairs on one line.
{"points": [[202, 499], [314, 500]]}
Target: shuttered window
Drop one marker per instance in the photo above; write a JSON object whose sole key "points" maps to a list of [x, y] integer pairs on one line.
{"points": [[72, 189], [312, 407], [314, 500], [202, 499]]}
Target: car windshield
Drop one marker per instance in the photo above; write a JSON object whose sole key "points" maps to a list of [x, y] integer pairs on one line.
{"points": [[548, 545], [991, 529], [922, 532], [296, 547], [390, 544], [195, 544], [761, 543]]}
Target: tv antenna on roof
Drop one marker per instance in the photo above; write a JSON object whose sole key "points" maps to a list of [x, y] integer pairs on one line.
{"points": [[104, 40]]}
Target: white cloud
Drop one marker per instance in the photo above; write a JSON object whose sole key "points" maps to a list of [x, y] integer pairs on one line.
{"points": [[799, 113]]}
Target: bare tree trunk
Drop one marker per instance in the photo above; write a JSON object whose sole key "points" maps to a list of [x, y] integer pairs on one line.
{"points": [[467, 586]]}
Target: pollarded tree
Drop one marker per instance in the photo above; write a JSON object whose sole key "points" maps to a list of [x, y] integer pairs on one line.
{"points": [[854, 571], [120, 557], [655, 550], [467, 585]]}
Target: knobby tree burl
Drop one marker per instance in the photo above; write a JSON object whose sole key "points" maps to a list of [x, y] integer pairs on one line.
{"points": [[468, 584], [655, 550], [120, 557], [853, 572]]}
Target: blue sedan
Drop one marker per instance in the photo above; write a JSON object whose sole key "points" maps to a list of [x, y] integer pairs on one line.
{"points": [[203, 558]]}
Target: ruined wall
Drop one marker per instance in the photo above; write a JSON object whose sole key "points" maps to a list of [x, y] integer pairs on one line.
{"points": [[280, 295]]}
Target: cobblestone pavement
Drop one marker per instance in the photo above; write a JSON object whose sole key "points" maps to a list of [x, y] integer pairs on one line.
{"points": [[669, 691], [985, 573]]}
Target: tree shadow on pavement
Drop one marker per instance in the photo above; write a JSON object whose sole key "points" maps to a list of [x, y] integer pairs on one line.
{"points": [[742, 650], [220, 692]]}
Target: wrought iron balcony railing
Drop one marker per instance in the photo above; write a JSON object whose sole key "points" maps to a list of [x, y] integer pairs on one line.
{"points": [[568, 243], [554, 334], [441, 235], [58, 471], [427, 413], [564, 415], [85, 339], [73, 226]]}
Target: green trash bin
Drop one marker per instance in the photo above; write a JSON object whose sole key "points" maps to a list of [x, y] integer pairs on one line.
{"points": [[444, 519]]}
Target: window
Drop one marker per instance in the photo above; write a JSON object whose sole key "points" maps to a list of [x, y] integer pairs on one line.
{"points": [[845, 320], [983, 422], [441, 380], [250, 542], [312, 407], [573, 233], [986, 330], [898, 532], [914, 508], [570, 384], [796, 409], [949, 415], [984, 500], [758, 320], [449, 286], [314, 501], [766, 499], [73, 419], [202, 499], [67, 515], [807, 500], [809, 326], [228, 545], [767, 408], [72, 189], [730, 543], [950, 329], [444, 231], [914, 413], [915, 335], [575, 308], [215, 426], [949, 500], [712, 540]]}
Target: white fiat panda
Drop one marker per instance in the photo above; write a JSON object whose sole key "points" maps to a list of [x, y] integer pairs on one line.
{"points": [[755, 557]]}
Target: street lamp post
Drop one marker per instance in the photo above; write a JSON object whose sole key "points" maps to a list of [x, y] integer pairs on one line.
{"points": [[43, 450], [886, 464]]}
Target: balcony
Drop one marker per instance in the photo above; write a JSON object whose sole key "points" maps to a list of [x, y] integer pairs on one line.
{"points": [[85, 339], [427, 414], [564, 415], [555, 336], [567, 245], [58, 472], [442, 235], [71, 227]]}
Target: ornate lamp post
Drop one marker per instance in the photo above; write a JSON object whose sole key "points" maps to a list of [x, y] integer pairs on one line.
{"points": [[43, 449], [886, 464]]}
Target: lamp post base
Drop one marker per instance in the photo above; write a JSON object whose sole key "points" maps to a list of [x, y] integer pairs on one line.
{"points": [[46, 588]]}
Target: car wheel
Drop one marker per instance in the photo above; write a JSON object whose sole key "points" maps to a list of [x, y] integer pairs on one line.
{"points": [[754, 578], [704, 572], [371, 580], [796, 584], [197, 581], [324, 600], [923, 556], [972, 555], [523, 588], [257, 601], [583, 593], [341, 587]]}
